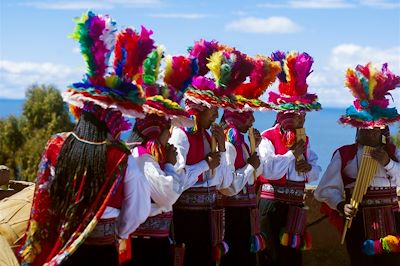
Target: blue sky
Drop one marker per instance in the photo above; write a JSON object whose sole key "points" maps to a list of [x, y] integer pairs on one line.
{"points": [[34, 47]]}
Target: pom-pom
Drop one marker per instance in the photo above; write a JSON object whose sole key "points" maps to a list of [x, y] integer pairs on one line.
{"points": [[284, 238], [368, 247]]}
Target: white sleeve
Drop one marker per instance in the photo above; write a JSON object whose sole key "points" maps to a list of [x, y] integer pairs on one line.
{"points": [[165, 187], [312, 159], [274, 166], [331, 189], [136, 203], [224, 172], [192, 172], [393, 168], [241, 176]]}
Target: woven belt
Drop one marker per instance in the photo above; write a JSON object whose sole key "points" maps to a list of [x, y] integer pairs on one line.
{"points": [[378, 196], [155, 226], [290, 192], [103, 233], [197, 198], [245, 198]]}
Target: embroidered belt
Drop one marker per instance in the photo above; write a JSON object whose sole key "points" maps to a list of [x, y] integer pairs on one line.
{"points": [[197, 198], [291, 192], [103, 233], [155, 226], [245, 198], [378, 196]]}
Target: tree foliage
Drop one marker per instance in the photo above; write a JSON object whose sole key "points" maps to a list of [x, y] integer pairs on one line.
{"points": [[23, 139]]}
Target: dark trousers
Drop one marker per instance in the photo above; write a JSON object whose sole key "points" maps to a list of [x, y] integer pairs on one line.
{"points": [[101, 255], [237, 236], [273, 216], [150, 252], [193, 229], [354, 239]]}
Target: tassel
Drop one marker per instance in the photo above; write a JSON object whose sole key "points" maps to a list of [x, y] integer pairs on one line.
{"points": [[307, 241], [284, 237], [387, 244], [220, 250], [368, 247]]}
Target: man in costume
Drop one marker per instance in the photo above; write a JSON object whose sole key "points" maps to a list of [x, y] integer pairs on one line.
{"points": [[151, 242], [198, 223], [288, 164], [242, 229], [89, 190], [373, 238]]}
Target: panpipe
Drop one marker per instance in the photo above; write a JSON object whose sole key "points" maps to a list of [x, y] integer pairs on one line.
{"points": [[301, 135], [213, 149], [366, 173], [252, 146]]}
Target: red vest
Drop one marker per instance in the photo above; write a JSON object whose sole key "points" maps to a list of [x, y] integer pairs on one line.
{"points": [[196, 148], [113, 154]]}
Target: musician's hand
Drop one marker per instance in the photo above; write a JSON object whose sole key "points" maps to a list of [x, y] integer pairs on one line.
{"points": [[219, 135], [257, 137], [171, 154], [303, 166], [298, 148], [380, 155], [213, 160], [347, 210], [254, 160]]}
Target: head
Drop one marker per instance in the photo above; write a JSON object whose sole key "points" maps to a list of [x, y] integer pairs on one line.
{"points": [[152, 127], [241, 121], [205, 118], [369, 136], [291, 120]]}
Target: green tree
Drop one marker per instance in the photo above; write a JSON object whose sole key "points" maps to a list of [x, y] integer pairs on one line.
{"points": [[23, 139]]}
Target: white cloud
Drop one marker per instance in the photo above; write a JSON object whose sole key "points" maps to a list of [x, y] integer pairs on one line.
{"points": [[260, 25], [381, 3], [84, 5], [311, 4], [328, 81], [179, 15], [18, 76]]}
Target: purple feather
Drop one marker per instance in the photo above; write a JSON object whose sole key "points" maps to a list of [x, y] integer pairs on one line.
{"points": [[280, 56], [302, 68]]}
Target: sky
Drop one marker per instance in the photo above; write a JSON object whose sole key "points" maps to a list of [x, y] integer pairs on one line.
{"points": [[338, 34]]}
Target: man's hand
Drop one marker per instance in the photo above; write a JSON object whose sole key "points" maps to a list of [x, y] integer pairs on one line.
{"points": [[299, 148], [254, 160], [347, 210], [219, 135], [171, 154], [303, 166], [257, 137], [380, 155], [213, 160]]}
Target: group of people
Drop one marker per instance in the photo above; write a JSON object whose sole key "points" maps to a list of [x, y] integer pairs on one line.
{"points": [[186, 190]]}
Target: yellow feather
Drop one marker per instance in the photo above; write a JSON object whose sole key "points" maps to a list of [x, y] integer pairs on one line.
{"points": [[168, 66], [372, 81], [215, 64]]}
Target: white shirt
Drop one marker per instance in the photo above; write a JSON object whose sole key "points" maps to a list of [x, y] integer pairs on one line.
{"points": [[135, 204], [276, 166], [331, 187], [224, 173], [165, 186]]}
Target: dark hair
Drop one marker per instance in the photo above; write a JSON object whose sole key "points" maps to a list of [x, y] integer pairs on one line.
{"points": [[80, 171], [223, 123], [135, 138]]}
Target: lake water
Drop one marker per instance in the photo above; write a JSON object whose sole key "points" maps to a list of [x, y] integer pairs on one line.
{"points": [[325, 134]]}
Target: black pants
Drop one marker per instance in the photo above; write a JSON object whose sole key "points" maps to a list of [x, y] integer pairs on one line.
{"points": [[106, 255], [150, 252], [237, 236], [193, 229], [354, 239], [273, 216]]}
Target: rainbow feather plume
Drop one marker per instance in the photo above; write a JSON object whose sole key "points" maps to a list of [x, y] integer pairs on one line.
{"points": [[202, 50], [179, 72], [96, 36], [131, 50]]}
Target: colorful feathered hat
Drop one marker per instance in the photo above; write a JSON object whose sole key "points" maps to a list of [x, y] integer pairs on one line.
{"points": [[109, 95], [370, 86], [163, 98], [228, 68], [293, 95], [246, 96]]}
